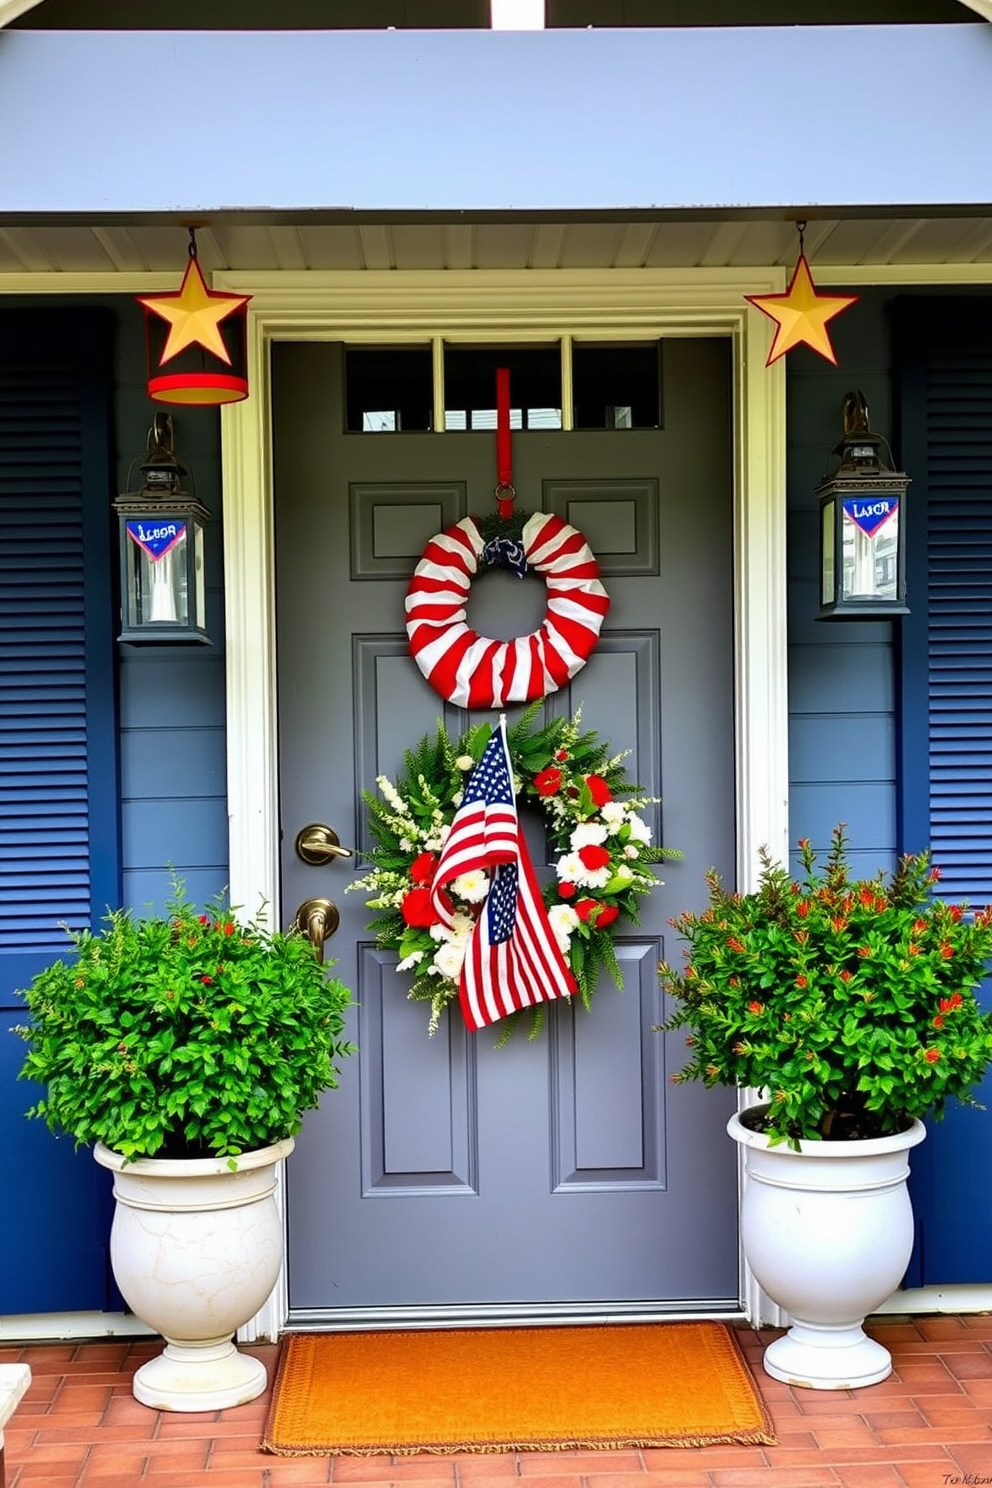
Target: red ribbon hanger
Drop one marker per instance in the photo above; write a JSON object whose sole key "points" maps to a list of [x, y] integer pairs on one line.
{"points": [[504, 451]]}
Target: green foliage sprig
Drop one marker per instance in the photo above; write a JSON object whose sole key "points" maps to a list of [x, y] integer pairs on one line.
{"points": [[188, 1035], [850, 1003]]}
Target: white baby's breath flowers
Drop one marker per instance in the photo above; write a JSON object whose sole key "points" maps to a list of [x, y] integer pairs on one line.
{"points": [[392, 795]]}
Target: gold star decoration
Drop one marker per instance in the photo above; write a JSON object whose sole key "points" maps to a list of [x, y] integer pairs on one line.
{"points": [[194, 314], [801, 314]]}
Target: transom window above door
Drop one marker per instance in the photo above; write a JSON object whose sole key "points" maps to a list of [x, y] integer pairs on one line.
{"points": [[570, 385]]}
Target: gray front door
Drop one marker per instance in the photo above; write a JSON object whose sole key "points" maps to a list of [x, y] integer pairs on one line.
{"points": [[448, 1176]]}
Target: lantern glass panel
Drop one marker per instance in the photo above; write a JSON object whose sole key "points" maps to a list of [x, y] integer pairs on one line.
{"points": [[870, 544], [828, 576]]}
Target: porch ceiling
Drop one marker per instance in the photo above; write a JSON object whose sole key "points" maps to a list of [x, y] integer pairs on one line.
{"points": [[257, 243]]}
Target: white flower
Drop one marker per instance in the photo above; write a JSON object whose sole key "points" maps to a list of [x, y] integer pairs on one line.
{"points": [[587, 833], [391, 794], [571, 869], [639, 830], [457, 799], [563, 920], [465, 762], [462, 928], [448, 960], [614, 814], [406, 845], [630, 851], [622, 871], [410, 961], [472, 886]]}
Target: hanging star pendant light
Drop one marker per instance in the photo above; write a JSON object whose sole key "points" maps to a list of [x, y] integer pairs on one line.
{"points": [[801, 315], [194, 314]]}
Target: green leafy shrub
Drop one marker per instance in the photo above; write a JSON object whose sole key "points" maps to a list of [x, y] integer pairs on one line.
{"points": [[188, 1035], [850, 1004]]}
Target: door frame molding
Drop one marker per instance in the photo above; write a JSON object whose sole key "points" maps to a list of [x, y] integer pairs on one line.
{"points": [[516, 306]]}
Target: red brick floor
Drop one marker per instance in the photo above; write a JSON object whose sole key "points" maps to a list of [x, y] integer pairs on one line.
{"points": [[928, 1426]]}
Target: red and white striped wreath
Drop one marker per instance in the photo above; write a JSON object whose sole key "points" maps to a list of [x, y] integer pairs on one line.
{"points": [[473, 671]]}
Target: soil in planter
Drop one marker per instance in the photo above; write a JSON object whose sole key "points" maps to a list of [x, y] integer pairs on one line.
{"points": [[847, 1123]]}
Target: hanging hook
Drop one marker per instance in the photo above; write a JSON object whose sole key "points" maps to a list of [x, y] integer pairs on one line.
{"points": [[801, 230], [192, 242]]}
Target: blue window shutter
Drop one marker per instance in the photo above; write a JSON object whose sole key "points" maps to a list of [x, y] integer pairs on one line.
{"points": [[59, 815], [946, 779], [944, 362]]}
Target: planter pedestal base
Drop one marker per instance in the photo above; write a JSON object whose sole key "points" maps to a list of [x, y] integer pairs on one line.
{"points": [[822, 1357], [199, 1377]]}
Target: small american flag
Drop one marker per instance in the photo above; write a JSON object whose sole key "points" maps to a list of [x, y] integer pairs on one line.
{"points": [[512, 960]]}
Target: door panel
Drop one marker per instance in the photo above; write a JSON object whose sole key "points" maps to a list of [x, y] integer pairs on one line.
{"points": [[448, 1173]]}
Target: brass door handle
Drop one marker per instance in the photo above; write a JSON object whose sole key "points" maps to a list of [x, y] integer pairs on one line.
{"points": [[318, 919], [317, 844]]}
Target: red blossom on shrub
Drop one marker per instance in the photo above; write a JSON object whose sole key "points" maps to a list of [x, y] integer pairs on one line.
{"points": [[733, 944], [756, 1007], [931, 1056]]}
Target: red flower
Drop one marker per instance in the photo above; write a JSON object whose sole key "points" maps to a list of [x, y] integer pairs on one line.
{"points": [[955, 911], [229, 928], [938, 1022], [561, 755], [919, 926], [802, 908], [566, 890], [594, 856], [599, 790], [733, 944], [947, 950], [418, 910], [845, 975], [948, 1004], [207, 981], [422, 869], [203, 919], [598, 915], [931, 1056], [756, 1007], [864, 952], [934, 875], [548, 782], [802, 981], [838, 924]]}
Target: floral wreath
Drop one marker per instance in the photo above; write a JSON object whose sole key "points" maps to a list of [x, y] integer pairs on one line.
{"points": [[601, 846], [473, 671]]}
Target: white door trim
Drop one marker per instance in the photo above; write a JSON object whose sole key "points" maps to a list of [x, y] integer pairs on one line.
{"points": [[513, 306]]}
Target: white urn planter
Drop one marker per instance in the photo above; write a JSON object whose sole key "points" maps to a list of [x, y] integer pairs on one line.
{"points": [[196, 1248], [827, 1232]]}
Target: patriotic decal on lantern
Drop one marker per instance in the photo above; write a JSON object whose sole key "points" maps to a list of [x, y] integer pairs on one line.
{"points": [[452, 885]]}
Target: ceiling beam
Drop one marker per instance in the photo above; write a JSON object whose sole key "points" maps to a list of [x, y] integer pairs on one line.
{"points": [[980, 7], [11, 9]]}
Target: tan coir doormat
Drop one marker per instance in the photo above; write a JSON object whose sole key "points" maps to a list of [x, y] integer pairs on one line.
{"points": [[506, 1389]]}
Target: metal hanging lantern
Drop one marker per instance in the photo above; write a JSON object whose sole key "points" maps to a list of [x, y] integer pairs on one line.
{"points": [[862, 525], [163, 590]]}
